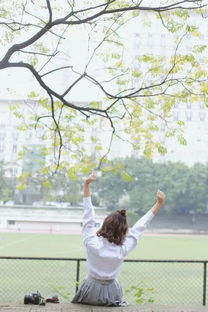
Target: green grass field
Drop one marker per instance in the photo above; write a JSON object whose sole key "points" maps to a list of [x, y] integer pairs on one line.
{"points": [[149, 247], [172, 282]]}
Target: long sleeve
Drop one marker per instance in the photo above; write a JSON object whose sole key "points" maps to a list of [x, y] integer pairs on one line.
{"points": [[88, 219], [136, 232]]}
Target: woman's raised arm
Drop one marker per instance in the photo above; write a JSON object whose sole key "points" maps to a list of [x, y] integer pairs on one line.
{"points": [[88, 215], [87, 182]]}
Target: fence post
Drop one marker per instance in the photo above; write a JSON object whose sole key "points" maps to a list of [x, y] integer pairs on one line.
{"points": [[77, 275], [205, 283]]}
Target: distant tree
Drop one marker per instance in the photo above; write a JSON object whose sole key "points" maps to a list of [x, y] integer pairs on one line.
{"points": [[145, 185], [132, 217], [174, 178], [197, 189], [111, 187], [129, 183], [7, 186], [185, 187]]}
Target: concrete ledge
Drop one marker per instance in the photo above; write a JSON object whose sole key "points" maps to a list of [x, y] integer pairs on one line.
{"points": [[85, 308]]}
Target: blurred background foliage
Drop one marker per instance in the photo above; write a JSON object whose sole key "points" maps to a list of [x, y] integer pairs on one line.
{"points": [[129, 183]]}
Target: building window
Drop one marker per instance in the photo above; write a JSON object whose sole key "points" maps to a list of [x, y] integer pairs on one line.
{"points": [[202, 116], [201, 105], [15, 135], [11, 222], [175, 115], [14, 172], [14, 148], [189, 115]]}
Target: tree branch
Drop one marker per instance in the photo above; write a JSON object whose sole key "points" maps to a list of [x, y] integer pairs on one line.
{"points": [[49, 11], [39, 53]]}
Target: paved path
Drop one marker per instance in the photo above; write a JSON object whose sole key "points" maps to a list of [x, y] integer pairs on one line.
{"points": [[84, 308]]}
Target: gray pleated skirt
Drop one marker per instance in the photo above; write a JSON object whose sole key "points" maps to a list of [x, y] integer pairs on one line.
{"points": [[99, 292]]}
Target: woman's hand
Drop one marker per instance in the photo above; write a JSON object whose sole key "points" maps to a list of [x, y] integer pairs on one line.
{"points": [[91, 178], [160, 199], [87, 183], [160, 196]]}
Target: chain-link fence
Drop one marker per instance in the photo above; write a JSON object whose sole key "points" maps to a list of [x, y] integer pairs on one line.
{"points": [[160, 281]]}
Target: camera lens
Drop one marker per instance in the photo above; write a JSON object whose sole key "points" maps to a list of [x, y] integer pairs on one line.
{"points": [[27, 299]]}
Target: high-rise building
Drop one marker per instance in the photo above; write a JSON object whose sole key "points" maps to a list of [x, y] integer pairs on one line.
{"points": [[15, 137], [11, 138], [156, 40]]}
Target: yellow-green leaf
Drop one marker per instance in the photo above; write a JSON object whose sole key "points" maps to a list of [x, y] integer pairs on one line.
{"points": [[126, 177]]}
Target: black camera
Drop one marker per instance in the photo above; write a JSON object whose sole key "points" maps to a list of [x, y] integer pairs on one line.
{"points": [[34, 298]]}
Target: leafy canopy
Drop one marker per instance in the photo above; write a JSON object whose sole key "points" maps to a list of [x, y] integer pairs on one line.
{"points": [[73, 47]]}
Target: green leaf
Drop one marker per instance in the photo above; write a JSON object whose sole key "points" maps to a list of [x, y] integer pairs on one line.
{"points": [[136, 74], [21, 187], [162, 149], [180, 122], [148, 151], [95, 104], [116, 56], [98, 147], [33, 94], [46, 183], [72, 173], [126, 177], [182, 140], [86, 170], [199, 48], [3, 12]]}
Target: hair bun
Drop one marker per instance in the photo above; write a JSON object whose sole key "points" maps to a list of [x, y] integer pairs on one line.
{"points": [[122, 212]]}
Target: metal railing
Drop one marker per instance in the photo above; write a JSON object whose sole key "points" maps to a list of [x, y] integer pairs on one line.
{"points": [[172, 281]]}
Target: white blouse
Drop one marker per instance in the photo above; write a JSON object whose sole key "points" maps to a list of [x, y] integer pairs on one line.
{"points": [[104, 258]]}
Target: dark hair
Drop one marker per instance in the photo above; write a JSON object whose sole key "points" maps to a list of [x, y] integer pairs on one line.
{"points": [[114, 227]]}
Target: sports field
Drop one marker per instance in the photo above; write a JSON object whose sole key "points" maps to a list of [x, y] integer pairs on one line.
{"points": [[172, 282], [56, 245]]}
